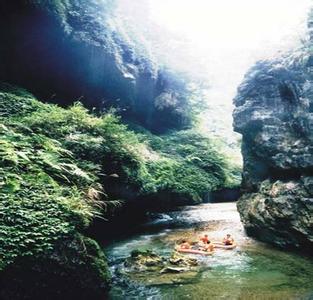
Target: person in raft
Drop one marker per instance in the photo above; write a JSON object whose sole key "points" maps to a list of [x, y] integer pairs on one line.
{"points": [[205, 244], [205, 239], [228, 240], [185, 245]]}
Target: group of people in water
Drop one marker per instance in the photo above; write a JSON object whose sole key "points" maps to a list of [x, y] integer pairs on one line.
{"points": [[206, 245]]}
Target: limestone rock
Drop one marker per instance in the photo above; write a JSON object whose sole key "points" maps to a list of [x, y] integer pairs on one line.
{"points": [[274, 114], [181, 260], [153, 270], [143, 260]]}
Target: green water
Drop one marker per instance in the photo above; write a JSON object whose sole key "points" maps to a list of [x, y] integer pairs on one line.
{"points": [[251, 271]]}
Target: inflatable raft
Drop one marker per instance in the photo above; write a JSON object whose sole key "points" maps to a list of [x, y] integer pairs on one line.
{"points": [[191, 251], [226, 247]]}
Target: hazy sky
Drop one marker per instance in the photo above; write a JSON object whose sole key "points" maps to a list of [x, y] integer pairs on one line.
{"points": [[235, 23], [231, 32], [216, 39], [215, 36]]}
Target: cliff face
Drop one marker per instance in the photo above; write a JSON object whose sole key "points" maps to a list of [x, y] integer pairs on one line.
{"points": [[69, 50], [274, 114]]}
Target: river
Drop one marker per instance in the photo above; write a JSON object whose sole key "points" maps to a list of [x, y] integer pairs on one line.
{"points": [[251, 271]]}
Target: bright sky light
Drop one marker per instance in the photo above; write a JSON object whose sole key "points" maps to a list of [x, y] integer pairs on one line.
{"points": [[216, 39], [239, 22], [200, 35]]}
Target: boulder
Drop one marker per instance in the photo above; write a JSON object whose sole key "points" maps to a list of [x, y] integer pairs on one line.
{"points": [[151, 269]]}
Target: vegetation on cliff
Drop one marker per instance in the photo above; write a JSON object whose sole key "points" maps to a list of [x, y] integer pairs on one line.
{"points": [[47, 199], [58, 170]]}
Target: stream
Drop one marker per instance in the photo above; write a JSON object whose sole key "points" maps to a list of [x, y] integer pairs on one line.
{"points": [[251, 271]]}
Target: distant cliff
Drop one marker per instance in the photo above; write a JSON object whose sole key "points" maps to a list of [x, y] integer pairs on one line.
{"points": [[274, 114]]}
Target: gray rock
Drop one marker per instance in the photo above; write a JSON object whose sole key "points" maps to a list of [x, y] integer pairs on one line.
{"points": [[149, 268], [274, 113]]}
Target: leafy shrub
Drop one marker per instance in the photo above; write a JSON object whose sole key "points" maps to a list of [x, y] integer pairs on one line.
{"points": [[43, 189], [190, 165]]}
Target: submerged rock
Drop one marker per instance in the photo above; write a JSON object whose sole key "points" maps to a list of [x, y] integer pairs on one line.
{"points": [[274, 114], [149, 268], [181, 260], [144, 260]]}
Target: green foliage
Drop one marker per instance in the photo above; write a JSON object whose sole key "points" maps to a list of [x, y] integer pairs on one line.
{"points": [[45, 192], [41, 194], [16, 102], [32, 222], [180, 178], [54, 163], [190, 165], [93, 141]]}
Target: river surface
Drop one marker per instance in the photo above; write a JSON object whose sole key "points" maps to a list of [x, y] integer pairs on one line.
{"points": [[251, 271]]}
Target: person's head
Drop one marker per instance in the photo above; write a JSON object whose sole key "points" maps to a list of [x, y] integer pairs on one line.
{"points": [[206, 235], [228, 235], [183, 241]]}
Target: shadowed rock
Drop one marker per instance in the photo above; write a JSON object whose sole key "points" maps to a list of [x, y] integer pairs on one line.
{"points": [[69, 50]]}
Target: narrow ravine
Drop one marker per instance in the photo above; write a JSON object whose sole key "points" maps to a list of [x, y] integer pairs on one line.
{"points": [[252, 271], [127, 127]]}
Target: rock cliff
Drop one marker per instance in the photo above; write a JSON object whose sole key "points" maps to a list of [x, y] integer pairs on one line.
{"points": [[68, 50], [274, 114]]}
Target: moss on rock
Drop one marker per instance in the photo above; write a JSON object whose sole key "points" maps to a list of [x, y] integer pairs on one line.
{"points": [[74, 269]]}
